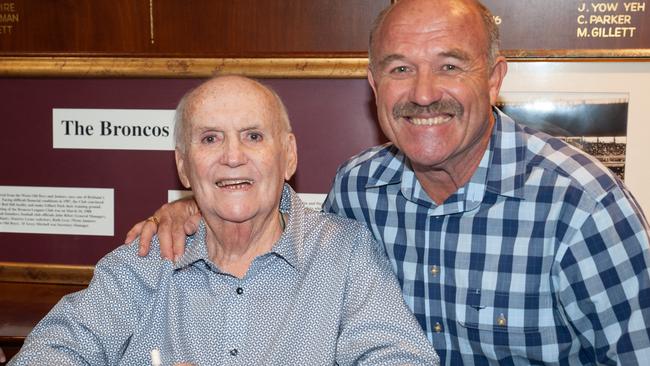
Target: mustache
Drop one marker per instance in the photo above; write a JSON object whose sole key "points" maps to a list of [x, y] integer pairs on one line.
{"points": [[446, 106]]}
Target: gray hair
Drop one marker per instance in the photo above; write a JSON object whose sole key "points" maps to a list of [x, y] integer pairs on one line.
{"points": [[180, 116], [491, 29]]}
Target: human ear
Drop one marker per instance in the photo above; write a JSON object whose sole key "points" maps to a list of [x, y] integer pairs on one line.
{"points": [[180, 167], [291, 156], [497, 74], [371, 81]]}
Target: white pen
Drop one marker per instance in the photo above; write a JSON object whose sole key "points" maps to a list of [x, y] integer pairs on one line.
{"points": [[155, 357]]}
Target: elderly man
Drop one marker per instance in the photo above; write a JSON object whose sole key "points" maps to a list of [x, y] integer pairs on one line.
{"points": [[510, 246], [264, 281]]}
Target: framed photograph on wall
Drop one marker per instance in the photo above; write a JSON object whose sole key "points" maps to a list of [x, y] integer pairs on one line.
{"points": [[595, 123], [600, 106]]}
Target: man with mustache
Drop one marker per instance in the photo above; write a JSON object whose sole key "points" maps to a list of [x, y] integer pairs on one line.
{"points": [[510, 246]]}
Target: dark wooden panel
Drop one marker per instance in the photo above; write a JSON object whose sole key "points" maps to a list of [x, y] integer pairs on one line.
{"points": [[298, 28], [264, 27], [573, 27], [192, 28], [23, 306], [27, 292], [75, 26]]}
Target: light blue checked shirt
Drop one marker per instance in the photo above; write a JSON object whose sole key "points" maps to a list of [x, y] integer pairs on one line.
{"points": [[324, 295], [542, 257]]}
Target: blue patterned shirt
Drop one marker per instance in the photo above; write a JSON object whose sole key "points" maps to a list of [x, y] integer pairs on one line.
{"points": [[324, 295], [542, 257]]}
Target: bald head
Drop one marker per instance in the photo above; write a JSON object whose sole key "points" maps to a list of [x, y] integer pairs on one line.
{"points": [[226, 91], [435, 10]]}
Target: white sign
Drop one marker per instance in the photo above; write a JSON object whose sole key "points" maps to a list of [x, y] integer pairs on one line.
{"points": [[113, 129], [56, 210], [313, 200], [174, 194]]}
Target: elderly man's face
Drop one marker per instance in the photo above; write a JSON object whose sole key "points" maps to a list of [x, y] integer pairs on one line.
{"points": [[237, 156], [432, 82]]}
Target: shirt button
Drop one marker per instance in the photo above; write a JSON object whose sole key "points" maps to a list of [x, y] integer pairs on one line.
{"points": [[501, 320], [240, 290], [234, 352], [435, 270], [437, 327]]}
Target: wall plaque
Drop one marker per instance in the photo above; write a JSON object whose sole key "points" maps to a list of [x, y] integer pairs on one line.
{"points": [[570, 28]]}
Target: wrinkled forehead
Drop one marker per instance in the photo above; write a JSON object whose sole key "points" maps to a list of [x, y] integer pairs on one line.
{"points": [[232, 99], [460, 19]]}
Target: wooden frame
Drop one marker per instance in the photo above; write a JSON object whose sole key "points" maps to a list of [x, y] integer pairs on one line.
{"points": [[45, 273], [641, 54], [333, 68], [110, 67]]}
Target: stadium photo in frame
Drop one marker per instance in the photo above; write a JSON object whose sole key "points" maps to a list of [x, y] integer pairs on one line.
{"points": [[601, 107], [593, 122]]}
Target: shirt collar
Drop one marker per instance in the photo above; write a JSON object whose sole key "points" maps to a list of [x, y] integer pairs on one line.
{"points": [[286, 247], [389, 169], [508, 169]]}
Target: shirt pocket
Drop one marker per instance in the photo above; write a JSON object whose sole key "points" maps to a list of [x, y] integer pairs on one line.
{"points": [[494, 311], [515, 326]]}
